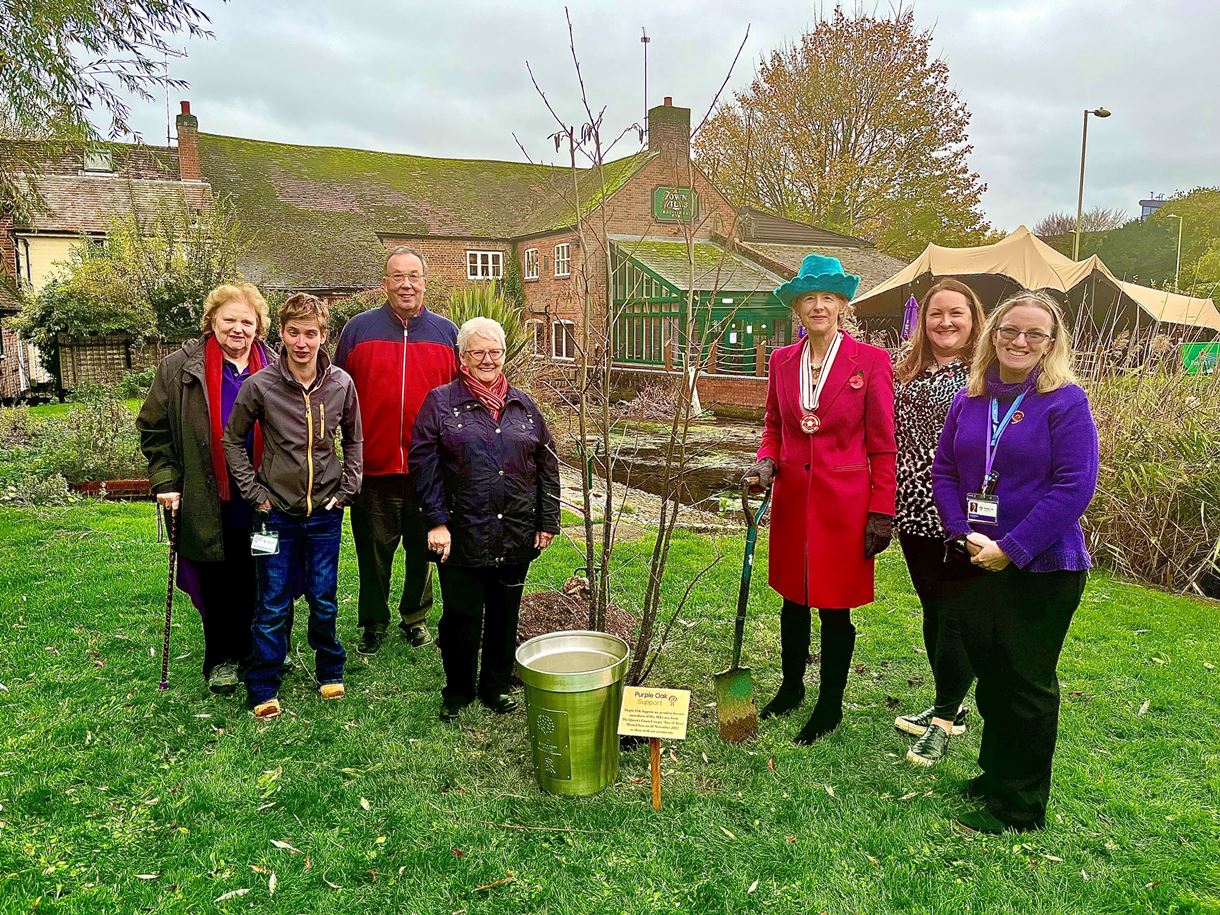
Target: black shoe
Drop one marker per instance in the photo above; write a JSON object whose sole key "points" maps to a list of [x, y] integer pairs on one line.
{"points": [[501, 704], [786, 699], [223, 679], [288, 666], [930, 748], [915, 725], [987, 822], [370, 641], [979, 787], [417, 635], [451, 707], [825, 718]]}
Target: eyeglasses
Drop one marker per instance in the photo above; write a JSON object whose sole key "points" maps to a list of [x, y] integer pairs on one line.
{"points": [[1032, 337], [413, 278], [479, 355]]}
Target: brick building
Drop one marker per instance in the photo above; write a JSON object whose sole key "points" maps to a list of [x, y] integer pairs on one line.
{"points": [[322, 218]]}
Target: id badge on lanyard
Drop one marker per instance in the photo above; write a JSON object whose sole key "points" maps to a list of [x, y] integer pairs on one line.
{"points": [[264, 542], [983, 507]]}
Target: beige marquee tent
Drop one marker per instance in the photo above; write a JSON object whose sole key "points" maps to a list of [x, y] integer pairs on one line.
{"points": [[1097, 300]]}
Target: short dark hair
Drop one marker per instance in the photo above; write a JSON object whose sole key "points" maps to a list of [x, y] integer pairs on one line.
{"points": [[303, 307]]}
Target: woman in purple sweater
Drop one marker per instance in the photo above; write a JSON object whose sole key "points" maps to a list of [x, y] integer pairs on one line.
{"points": [[1015, 468]]}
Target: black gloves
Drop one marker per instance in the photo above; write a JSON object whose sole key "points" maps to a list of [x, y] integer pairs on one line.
{"points": [[761, 474], [877, 533]]}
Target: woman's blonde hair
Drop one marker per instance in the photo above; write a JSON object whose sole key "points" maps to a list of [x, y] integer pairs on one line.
{"points": [[919, 356], [237, 292], [1056, 363]]}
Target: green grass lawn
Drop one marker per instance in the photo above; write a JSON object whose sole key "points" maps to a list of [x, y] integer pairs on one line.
{"points": [[60, 410], [116, 797]]}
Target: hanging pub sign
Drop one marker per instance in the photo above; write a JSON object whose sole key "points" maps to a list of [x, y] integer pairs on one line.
{"points": [[675, 204]]}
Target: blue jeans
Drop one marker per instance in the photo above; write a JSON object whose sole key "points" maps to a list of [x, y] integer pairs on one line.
{"points": [[309, 546]]}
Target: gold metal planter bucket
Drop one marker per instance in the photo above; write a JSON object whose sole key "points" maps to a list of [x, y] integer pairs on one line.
{"points": [[573, 691]]}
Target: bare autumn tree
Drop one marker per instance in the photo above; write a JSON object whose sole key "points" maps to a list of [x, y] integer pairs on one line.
{"points": [[66, 67], [853, 127], [1098, 219]]}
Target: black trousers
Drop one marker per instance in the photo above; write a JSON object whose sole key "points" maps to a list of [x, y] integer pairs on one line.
{"points": [[1013, 624], [479, 602], [229, 589], [951, 670], [385, 514]]}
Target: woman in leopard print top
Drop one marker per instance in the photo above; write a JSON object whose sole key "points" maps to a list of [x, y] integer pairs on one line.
{"points": [[926, 379]]}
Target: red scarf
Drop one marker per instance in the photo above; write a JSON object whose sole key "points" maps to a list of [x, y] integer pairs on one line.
{"points": [[213, 371], [490, 397]]}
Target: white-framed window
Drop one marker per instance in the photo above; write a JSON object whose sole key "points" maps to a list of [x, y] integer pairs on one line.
{"points": [[484, 265], [535, 333], [563, 340], [531, 263], [563, 260], [98, 159]]}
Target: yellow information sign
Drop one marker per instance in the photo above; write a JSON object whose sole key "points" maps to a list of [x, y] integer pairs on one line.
{"points": [[649, 712]]}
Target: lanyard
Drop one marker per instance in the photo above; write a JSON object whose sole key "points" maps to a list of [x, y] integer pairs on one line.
{"points": [[811, 394], [997, 429]]}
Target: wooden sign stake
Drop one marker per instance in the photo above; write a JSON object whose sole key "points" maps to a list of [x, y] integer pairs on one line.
{"points": [[654, 744]]}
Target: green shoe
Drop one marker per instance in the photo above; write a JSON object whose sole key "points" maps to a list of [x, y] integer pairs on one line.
{"points": [[223, 679], [915, 725], [930, 748]]}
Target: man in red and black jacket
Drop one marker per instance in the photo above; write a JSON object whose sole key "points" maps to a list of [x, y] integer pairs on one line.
{"points": [[396, 354]]}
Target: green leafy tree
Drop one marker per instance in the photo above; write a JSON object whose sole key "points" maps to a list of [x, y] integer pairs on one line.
{"points": [[65, 65], [854, 127]]}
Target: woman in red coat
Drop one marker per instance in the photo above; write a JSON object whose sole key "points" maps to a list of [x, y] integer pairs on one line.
{"points": [[828, 444]]}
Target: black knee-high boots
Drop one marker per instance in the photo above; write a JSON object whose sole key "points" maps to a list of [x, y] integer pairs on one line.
{"points": [[838, 642], [794, 626]]}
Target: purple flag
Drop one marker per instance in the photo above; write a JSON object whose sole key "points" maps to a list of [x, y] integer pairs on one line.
{"points": [[909, 314]]}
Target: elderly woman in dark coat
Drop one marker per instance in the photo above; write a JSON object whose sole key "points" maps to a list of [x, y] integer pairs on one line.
{"points": [[180, 426], [487, 477]]}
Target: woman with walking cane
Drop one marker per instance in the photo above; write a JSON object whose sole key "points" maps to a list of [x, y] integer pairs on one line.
{"points": [[180, 425], [1014, 471], [828, 445]]}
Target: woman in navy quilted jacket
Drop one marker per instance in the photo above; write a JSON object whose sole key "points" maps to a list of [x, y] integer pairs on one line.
{"points": [[487, 478]]}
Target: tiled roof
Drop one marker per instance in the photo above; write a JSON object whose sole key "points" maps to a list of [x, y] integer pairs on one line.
{"points": [[871, 265], [87, 203], [715, 268], [316, 211], [758, 226]]}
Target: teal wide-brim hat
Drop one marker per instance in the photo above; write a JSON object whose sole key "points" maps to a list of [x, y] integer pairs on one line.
{"points": [[818, 274]]}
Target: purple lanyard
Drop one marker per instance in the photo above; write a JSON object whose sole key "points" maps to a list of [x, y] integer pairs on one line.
{"points": [[997, 429]]}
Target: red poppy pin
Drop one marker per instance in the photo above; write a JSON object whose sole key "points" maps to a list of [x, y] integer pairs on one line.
{"points": [[857, 380]]}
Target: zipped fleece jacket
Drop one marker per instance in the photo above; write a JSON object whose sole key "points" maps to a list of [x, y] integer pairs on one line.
{"points": [[301, 469], [395, 364]]}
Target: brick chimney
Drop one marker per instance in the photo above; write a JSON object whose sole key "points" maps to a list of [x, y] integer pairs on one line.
{"points": [[669, 131], [188, 144]]}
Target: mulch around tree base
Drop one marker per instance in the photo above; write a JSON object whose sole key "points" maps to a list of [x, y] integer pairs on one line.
{"points": [[555, 611]]}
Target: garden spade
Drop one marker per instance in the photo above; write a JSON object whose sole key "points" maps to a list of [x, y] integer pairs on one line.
{"points": [[734, 688]]}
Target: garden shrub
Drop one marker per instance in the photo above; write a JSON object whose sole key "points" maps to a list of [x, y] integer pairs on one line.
{"points": [[36, 490], [1156, 515], [17, 426], [97, 440]]}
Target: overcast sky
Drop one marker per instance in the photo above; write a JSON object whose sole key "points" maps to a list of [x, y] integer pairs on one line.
{"points": [[449, 79]]}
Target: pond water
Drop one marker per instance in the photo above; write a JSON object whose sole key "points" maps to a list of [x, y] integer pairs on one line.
{"points": [[719, 451]]}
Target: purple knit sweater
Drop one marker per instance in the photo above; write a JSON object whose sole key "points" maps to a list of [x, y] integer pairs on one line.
{"points": [[1047, 466]]}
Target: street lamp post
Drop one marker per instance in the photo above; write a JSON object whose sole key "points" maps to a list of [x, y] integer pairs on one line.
{"points": [[1177, 269], [1084, 140]]}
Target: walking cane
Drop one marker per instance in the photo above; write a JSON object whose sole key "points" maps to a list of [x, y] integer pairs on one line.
{"points": [[169, 597]]}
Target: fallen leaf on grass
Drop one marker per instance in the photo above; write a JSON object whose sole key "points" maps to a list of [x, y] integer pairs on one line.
{"points": [[672, 755], [873, 861], [333, 886], [1085, 875], [729, 834], [908, 795], [753, 887], [272, 881], [264, 807], [364, 802], [259, 869], [503, 881], [308, 863], [1208, 665], [791, 840], [1144, 708], [285, 846], [380, 840], [1051, 857], [147, 876], [1160, 660], [705, 759], [4, 689], [771, 765], [458, 852], [829, 790], [1154, 883], [229, 895]]}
